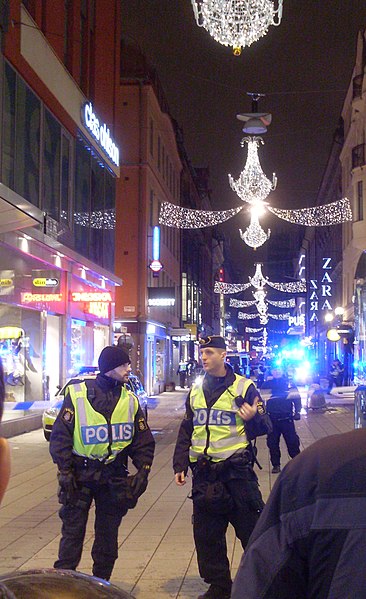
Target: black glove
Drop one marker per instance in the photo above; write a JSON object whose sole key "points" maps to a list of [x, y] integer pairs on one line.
{"points": [[297, 416], [138, 482], [68, 485]]}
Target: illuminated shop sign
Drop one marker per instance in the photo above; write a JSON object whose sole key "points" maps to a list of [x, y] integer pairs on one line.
{"points": [[6, 282], [100, 132], [161, 296], [156, 266], [92, 296], [321, 291], [45, 282], [96, 302], [161, 301], [297, 321], [29, 298]]}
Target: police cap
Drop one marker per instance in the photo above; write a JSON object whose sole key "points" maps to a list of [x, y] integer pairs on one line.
{"points": [[212, 341]]}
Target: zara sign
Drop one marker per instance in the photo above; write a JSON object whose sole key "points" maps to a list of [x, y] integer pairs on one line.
{"points": [[100, 132], [321, 292]]}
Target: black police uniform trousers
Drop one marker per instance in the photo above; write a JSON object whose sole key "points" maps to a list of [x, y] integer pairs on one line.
{"points": [[108, 516], [282, 426], [209, 530]]}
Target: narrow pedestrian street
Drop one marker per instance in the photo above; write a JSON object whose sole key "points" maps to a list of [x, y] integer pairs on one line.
{"points": [[157, 557]]}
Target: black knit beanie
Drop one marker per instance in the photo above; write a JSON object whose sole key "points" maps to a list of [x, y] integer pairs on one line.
{"points": [[111, 357]]}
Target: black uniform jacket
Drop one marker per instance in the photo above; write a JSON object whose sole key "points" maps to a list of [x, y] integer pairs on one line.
{"points": [[103, 394], [310, 541], [212, 387], [283, 401]]}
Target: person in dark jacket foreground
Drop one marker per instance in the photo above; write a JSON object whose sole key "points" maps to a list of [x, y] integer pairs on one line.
{"points": [[100, 425], [212, 441], [283, 407], [310, 541]]}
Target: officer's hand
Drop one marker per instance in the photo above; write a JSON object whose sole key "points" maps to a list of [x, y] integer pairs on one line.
{"points": [[67, 483], [180, 479], [247, 412], [138, 482], [297, 416]]}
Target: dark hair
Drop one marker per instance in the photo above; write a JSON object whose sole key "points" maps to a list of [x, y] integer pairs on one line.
{"points": [[2, 390]]}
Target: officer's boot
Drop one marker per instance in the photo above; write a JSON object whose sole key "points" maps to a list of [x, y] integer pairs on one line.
{"points": [[215, 592]]}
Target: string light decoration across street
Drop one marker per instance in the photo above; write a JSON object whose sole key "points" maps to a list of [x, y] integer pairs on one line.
{"points": [[234, 303], [252, 185], [228, 288], [292, 287], [237, 23], [246, 316], [187, 218], [319, 216], [290, 303]]}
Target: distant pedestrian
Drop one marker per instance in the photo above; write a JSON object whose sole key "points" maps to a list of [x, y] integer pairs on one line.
{"points": [[335, 376], [100, 426], [310, 540], [182, 372], [283, 407]]}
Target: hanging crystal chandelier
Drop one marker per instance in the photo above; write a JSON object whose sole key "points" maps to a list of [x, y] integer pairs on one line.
{"points": [[237, 23], [254, 235], [258, 281], [252, 185]]}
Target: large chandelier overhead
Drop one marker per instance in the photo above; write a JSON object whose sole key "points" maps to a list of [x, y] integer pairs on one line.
{"points": [[237, 23], [254, 235], [252, 185]]}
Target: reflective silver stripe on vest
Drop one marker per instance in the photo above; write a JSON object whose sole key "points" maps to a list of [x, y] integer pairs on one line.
{"points": [[131, 409]]}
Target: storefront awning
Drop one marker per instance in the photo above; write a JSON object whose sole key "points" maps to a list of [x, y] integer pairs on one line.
{"points": [[15, 212]]}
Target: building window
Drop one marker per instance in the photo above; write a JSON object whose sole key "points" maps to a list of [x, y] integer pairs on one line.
{"points": [[159, 152], [94, 208], [66, 172], [68, 29], [84, 46], [151, 208], [20, 137], [359, 207], [151, 137], [163, 162], [51, 166]]}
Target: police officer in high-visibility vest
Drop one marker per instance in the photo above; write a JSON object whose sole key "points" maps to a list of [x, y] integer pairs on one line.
{"points": [[100, 426], [212, 441]]}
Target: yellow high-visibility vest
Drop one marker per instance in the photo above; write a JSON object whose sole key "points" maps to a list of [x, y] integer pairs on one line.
{"points": [[94, 438], [218, 432]]}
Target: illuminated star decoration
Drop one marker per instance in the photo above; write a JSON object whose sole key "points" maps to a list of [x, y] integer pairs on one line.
{"points": [[237, 23]]}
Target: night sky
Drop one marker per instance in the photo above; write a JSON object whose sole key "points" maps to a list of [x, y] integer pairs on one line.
{"points": [[304, 67]]}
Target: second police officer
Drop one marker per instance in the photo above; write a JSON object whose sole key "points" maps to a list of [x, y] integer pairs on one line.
{"points": [[100, 426], [283, 407], [212, 441]]}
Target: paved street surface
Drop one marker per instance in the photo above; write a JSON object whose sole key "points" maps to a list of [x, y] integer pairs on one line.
{"points": [[157, 557]]}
